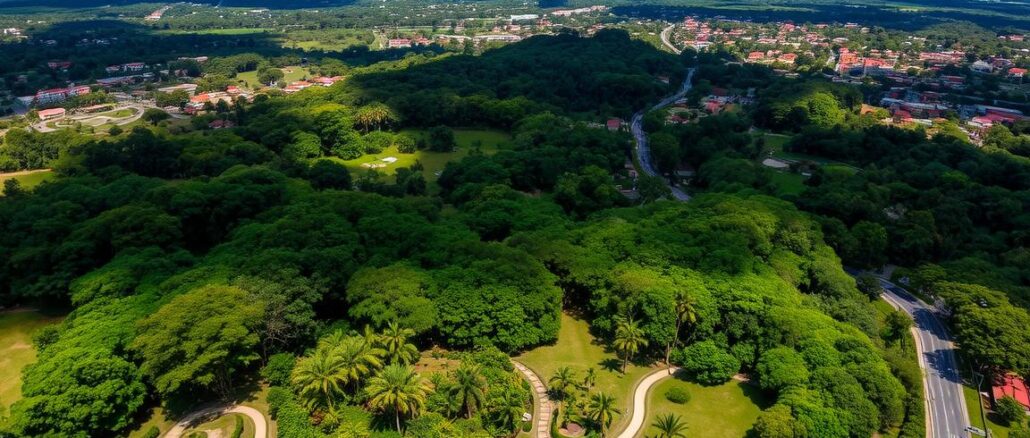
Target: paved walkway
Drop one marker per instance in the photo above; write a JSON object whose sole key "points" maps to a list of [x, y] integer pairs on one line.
{"points": [[639, 412], [542, 411], [260, 425]]}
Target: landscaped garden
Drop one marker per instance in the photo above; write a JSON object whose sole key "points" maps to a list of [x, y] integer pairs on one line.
{"points": [[578, 350], [722, 411]]}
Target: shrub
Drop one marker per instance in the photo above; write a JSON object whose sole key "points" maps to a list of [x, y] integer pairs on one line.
{"points": [[153, 432], [277, 370], [237, 430], [405, 144], [677, 395], [707, 363], [1009, 410]]}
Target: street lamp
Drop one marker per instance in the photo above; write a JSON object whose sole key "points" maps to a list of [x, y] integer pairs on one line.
{"points": [[979, 379]]}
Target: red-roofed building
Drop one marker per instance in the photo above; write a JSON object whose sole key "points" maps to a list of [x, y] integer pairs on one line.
{"points": [[788, 58], [52, 113], [1013, 386], [755, 56], [399, 43], [614, 124], [1017, 72], [59, 65]]}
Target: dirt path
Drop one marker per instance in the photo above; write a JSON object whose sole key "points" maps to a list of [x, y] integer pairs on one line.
{"points": [[260, 425], [22, 173], [542, 411], [639, 412]]}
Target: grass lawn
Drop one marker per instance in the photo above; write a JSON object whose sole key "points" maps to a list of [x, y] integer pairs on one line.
{"points": [[28, 179], [432, 162], [724, 411], [972, 404], [16, 328], [775, 142], [788, 183], [577, 349], [290, 74]]}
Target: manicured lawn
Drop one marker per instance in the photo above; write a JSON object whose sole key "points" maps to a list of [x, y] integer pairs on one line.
{"points": [[577, 349], [432, 162], [16, 328], [724, 411], [290, 74], [28, 180], [788, 183], [972, 404]]}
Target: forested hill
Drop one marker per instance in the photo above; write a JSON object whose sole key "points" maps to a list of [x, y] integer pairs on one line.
{"points": [[156, 236]]}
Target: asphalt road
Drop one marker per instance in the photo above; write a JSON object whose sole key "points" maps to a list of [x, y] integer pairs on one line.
{"points": [[947, 416], [665, 38], [643, 150]]}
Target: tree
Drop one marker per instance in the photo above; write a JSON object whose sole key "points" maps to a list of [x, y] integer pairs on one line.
{"points": [[601, 410], [629, 339], [870, 286], [685, 314], [375, 114], [1009, 410], [319, 379], [199, 340], [506, 404], [665, 149], [395, 342], [467, 389], [397, 389], [358, 358], [395, 293], [652, 188], [305, 145], [670, 426], [279, 369], [270, 75], [441, 139], [562, 383], [896, 327], [590, 378], [328, 174], [154, 116], [781, 367], [707, 362], [776, 422]]}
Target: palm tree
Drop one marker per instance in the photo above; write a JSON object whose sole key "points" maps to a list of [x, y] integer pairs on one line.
{"points": [[374, 114], [670, 426], [629, 339], [399, 389], [319, 378], [467, 389], [590, 379], [601, 410], [395, 342], [562, 383], [507, 407], [685, 313], [358, 359]]}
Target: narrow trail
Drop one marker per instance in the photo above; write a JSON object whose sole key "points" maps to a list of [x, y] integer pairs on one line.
{"points": [[640, 393], [542, 410], [260, 425]]}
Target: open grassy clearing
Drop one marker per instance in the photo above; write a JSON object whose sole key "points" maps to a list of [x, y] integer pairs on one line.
{"points": [[16, 329], [725, 411], [290, 74], [487, 141], [577, 349], [28, 179], [788, 183]]}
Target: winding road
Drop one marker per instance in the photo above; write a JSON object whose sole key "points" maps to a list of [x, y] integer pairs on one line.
{"points": [[947, 415], [260, 424], [665, 39], [543, 407], [643, 150]]}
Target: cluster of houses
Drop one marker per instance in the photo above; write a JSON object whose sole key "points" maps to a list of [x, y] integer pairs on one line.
{"points": [[322, 81], [403, 43]]}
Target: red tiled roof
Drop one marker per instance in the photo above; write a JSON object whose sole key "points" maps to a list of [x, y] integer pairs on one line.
{"points": [[1013, 386]]}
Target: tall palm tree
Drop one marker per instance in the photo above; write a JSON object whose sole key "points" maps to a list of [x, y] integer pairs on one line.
{"points": [[685, 314], [398, 389], [601, 410], [319, 378], [629, 339], [590, 378], [374, 114], [395, 342], [670, 426], [507, 407], [562, 382], [358, 359], [467, 389]]}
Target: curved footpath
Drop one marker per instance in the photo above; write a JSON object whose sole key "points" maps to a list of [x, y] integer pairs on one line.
{"points": [[640, 392], [260, 425], [542, 410]]}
